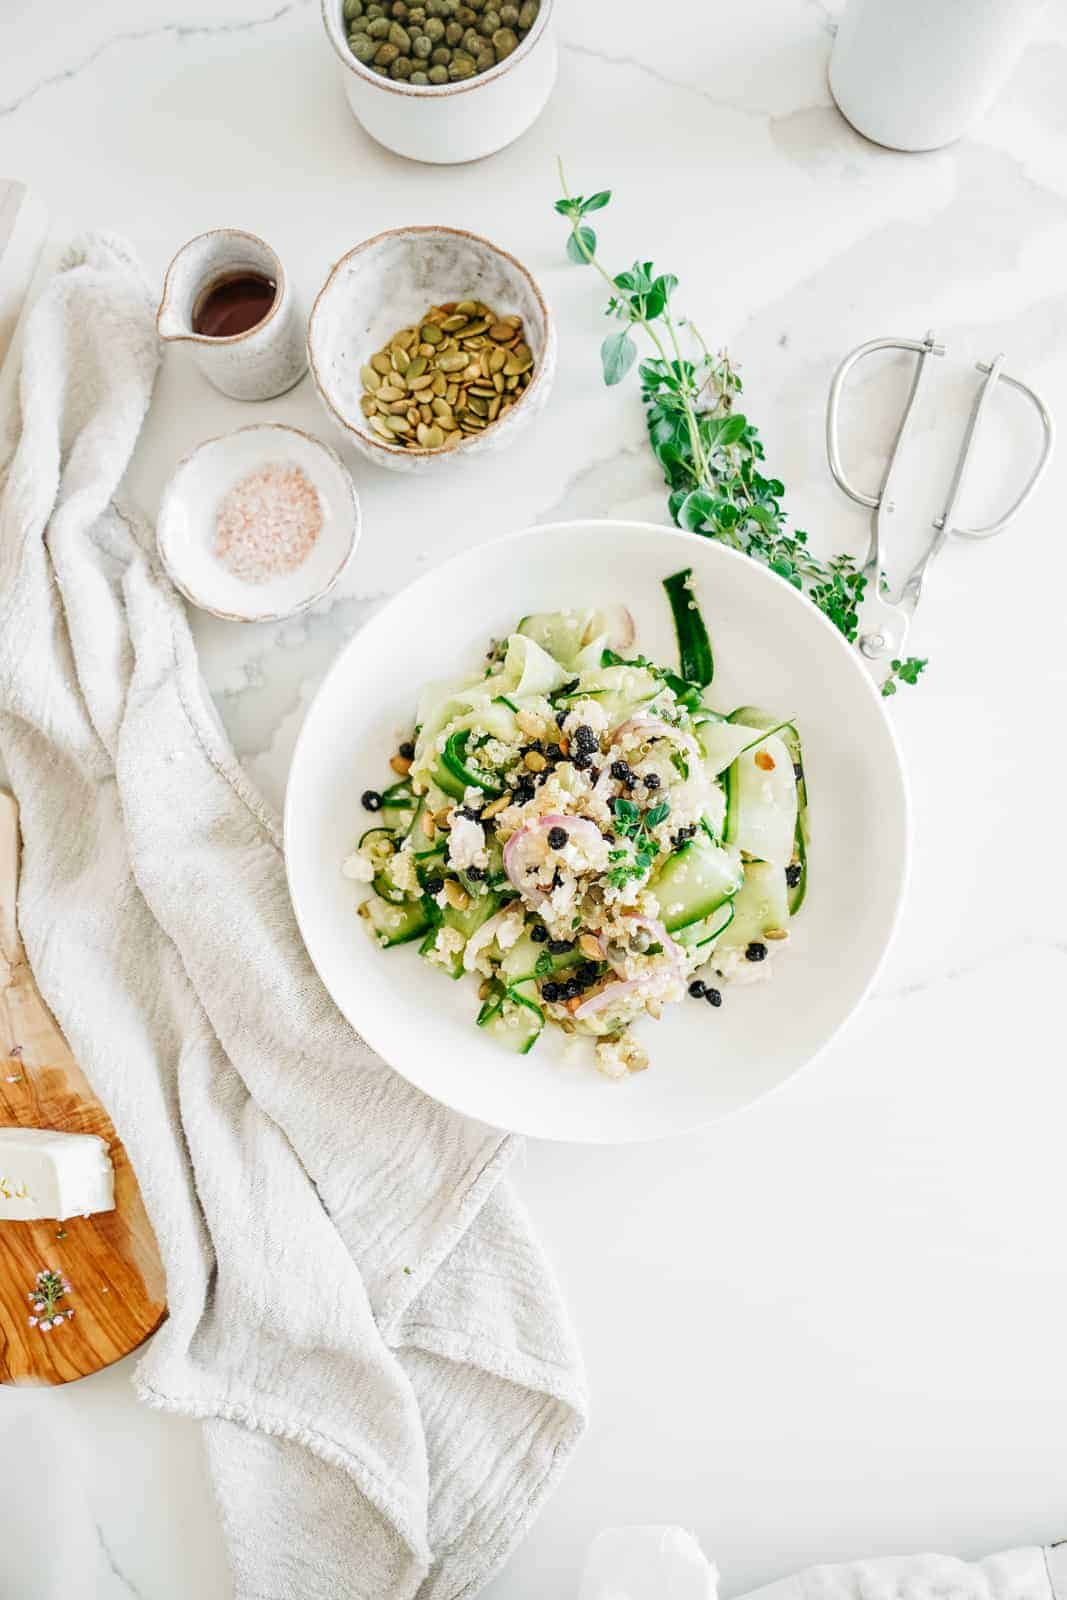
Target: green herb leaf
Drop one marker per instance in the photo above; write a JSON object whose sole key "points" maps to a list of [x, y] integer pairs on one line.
{"points": [[543, 964], [618, 354], [711, 456], [581, 245], [658, 814], [903, 672]]}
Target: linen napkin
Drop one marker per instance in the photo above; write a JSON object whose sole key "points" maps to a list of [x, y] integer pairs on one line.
{"points": [[666, 1563], [358, 1310]]}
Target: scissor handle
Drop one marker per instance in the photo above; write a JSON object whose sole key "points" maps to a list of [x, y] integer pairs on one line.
{"points": [[920, 347], [994, 374]]}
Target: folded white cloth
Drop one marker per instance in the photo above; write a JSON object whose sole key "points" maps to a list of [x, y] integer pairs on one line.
{"points": [[358, 1311], [667, 1563]]}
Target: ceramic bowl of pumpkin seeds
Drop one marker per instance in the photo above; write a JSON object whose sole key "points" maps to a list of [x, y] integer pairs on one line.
{"points": [[430, 344], [444, 80]]}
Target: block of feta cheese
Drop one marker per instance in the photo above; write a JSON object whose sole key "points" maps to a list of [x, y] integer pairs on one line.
{"points": [[48, 1174]]}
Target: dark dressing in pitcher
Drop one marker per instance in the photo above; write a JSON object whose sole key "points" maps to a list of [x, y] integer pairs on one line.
{"points": [[233, 304]]}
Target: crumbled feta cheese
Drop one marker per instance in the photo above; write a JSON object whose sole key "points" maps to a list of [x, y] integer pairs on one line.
{"points": [[466, 843], [610, 1060], [585, 713], [358, 868], [447, 945], [403, 871]]}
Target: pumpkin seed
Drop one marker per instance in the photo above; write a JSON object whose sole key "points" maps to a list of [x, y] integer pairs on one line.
{"points": [[451, 374]]}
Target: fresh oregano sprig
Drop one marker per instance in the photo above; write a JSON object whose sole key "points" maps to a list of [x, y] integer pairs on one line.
{"points": [[711, 455]]}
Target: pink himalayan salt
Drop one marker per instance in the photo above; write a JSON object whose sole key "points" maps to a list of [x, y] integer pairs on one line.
{"points": [[268, 522]]}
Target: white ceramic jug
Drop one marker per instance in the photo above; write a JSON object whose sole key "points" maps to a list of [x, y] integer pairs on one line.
{"points": [[915, 74], [267, 358]]}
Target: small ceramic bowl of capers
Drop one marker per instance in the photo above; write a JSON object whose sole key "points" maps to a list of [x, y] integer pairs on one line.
{"points": [[444, 80], [430, 344]]}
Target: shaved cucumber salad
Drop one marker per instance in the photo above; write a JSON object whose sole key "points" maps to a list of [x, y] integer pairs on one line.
{"points": [[580, 829]]}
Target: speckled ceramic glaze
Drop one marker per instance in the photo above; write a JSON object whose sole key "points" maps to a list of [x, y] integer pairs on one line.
{"points": [[258, 364], [388, 282], [185, 527], [452, 121]]}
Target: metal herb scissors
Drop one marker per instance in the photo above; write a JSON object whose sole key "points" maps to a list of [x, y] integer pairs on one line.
{"points": [[883, 621]]}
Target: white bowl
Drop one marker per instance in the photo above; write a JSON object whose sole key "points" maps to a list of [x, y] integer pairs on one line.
{"points": [[185, 528], [388, 282], [451, 122], [771, 648]]}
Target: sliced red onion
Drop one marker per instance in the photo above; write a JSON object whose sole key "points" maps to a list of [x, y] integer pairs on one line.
{"points": [[604, 999], [529, 847], [647, 726], [659, 935], [615, 624]]}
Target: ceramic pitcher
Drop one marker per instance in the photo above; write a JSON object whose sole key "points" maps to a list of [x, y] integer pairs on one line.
{"points": [[266, 359]]}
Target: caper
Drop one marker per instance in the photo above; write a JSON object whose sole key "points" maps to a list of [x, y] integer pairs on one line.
{"points": [[434, 29], [401, 38], [504, 42], [438, 74], [400, 10], [385, 55], [416, 16], [374, 10], [461, 66], [420, 78], [509, 16], [466, 15], [471, 42], [421, 47], [401, 68], [378, 28], [352, 10], [361, 46], [453, 33], [640, 940], [528, 13], [441, 56]]}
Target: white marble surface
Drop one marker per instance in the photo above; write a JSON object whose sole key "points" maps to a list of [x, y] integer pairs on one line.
{"points": [[832, 1326]]}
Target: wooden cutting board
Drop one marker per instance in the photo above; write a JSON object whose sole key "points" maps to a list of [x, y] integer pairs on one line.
{"points": [[110, 1260]]}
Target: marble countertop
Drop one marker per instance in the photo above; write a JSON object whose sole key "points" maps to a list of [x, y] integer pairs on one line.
{"points": [[832, 1326]]}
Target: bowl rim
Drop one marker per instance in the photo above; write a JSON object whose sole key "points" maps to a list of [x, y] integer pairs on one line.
{"points": [[168, 496], [332, 12], [447, 452], [761, 574]]}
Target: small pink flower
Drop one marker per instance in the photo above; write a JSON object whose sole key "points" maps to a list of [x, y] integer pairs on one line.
{"points": [[46, 1327], [33, 1322]]}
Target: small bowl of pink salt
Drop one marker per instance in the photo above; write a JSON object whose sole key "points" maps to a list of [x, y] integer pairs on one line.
{"points": [[258, 524]]}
